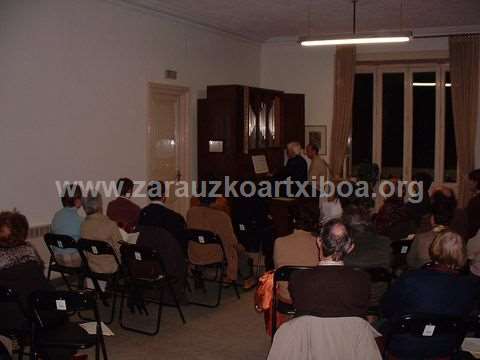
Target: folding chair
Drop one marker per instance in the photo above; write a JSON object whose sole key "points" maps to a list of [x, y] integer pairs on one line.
{"points": [[99, 248], [400, 249], [50, 335], [146, 272], [9, 301], [430, 328], [55, 242], [205, 238], [378, 275], [283, 274]]}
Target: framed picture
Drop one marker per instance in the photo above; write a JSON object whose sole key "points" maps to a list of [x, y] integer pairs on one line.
{"points": [[317, 135]]}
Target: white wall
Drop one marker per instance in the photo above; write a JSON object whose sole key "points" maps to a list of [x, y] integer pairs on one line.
{"points": [[73, 90], [290, 67]]}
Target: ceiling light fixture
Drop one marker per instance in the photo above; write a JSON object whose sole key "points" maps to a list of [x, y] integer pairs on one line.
{"points": [[356, 38], [429, 84]]}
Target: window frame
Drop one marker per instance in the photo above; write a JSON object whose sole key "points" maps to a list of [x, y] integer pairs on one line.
{"points": [[408, 69]]}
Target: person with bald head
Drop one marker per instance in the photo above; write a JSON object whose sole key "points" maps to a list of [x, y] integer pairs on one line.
{"points": [[331, 289]]}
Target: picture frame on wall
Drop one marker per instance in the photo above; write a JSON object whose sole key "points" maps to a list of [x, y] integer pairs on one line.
{"points": [[317, 134]]}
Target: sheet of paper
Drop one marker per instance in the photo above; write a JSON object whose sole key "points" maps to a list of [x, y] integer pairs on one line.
{"points": [[132, 238], [260, 165], [91, 328]]}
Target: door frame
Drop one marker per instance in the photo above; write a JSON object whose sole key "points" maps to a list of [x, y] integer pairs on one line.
{"points": [[183, 134]]}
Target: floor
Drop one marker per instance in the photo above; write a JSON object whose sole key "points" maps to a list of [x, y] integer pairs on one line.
{"points": [[232, 331]]}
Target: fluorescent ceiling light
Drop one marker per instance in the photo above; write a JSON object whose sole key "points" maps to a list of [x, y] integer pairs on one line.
{"points": [[357, 39], [429, 84]]}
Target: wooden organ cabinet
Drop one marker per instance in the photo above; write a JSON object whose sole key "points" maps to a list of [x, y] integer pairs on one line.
{"points": [[236, 122]]}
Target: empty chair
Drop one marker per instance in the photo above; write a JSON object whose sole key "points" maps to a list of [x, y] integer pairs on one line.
{"points": [[54, 334], [146, 272]]}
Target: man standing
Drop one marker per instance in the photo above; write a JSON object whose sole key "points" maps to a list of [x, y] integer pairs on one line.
{"points": [[318, 167]]}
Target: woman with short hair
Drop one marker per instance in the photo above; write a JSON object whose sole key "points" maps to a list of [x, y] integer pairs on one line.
{"points": [[22, 270], [438, 288]]}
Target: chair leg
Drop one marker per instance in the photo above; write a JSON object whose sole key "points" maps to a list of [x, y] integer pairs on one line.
{"points": [[49, 274], [159, 314], [114, 302], [104, 348], [235, 287], [177, 304], [66, 281]]}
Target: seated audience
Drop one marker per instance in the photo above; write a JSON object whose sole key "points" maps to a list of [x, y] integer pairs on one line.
{"points": [[443, 208], [473, 252], [371, 249], [122, 210], [158, 214], [438, 288], [66, 221], [420, 211], [204, 217], [22, 270], [331, 289], [297, 249], [98, 226], [331, 207], [473, 207], [252, 214], [393, 219]]}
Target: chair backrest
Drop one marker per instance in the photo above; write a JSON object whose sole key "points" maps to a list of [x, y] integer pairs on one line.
{"points": [[136, 254], [401, 247], [10, 302], [8, 295], [66, 302], [58, 241], [96, 247], [428, 326], [379, 274], [202, 237], [283, 273]]}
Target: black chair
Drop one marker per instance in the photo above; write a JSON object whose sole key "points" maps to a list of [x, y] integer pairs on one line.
{"points": [[254, 228], [98, 248], [146, 272], [283, 274], [61, 333], [378, 275], [55, 242], [427, 327], [9, 301], [400, 249], [204, 238]]}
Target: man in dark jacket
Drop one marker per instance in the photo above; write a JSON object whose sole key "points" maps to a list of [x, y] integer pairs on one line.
{"points": [[157, 214]]}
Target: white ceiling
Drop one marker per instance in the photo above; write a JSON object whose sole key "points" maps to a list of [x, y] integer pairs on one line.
{"points": [[266, 19]]}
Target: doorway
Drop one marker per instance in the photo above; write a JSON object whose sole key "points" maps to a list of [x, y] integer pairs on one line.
{"points": [[169, 151]]}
